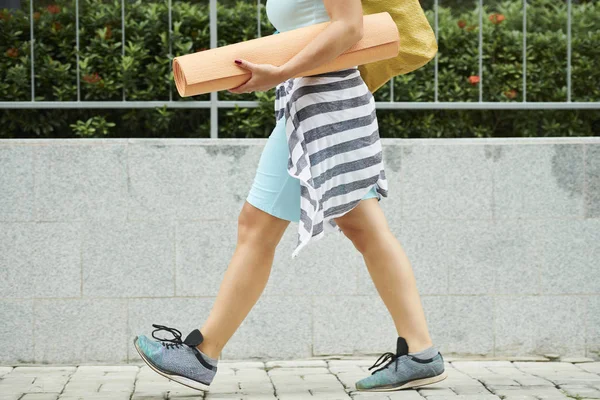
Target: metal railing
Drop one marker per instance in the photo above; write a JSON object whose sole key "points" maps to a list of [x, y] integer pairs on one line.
{"points": [[214, 103]]}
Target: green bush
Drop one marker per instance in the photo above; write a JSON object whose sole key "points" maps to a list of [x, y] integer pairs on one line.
{"points": [[141, 71]]}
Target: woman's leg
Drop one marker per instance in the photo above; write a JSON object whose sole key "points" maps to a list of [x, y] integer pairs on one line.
{"points": [[245, 278], [390, 270]]}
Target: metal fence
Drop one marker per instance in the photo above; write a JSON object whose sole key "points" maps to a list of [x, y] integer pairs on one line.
{"points": [[214, 103]]}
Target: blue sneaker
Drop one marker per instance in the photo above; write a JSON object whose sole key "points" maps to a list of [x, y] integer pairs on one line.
{"points": [[403, 371], [179, 361]]}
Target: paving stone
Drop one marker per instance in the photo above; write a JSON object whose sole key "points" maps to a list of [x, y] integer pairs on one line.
{"points": [[107, 368], [97, 396], [8, 396], [329, 393], [465, 397], [12, 385], [256, 389], [364, 362], [304, 379], [349, 379], [399, 395], [155, 387], [224, 387], [239, 397], [436, 391], [590, 367], [545, 366], [37, 371], [347, 369], [149, 396], [298, 371], [187, 392], [577, 360], [117, 387], [46, 386], [576, 380], [40, 396], [296, 363], [470, 389], [242, 364], [82, 386], [292, 396], [543, 392], [253, 374], [509, 371], [529, 380], [581, 391], [498, 380], [405, 395]]}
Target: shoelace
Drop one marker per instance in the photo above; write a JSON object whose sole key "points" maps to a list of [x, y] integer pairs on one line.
{"points": [[173, 342], [383, 358]]}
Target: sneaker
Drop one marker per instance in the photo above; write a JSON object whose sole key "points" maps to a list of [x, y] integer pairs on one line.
{"points": [[403, 371], [179, 361]]}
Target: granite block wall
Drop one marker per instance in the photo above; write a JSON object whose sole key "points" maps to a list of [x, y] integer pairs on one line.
{"points": [[101, 238]]}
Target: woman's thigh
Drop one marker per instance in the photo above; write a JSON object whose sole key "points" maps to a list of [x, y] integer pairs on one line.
{"points": [[366, 219], [273, 189]]}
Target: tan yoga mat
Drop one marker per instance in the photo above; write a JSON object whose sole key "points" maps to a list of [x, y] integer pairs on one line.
{"points": [[214, 69]]}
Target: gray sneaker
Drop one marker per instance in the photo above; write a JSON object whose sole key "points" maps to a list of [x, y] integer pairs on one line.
{"points": [[403, 371], [179, 361]]}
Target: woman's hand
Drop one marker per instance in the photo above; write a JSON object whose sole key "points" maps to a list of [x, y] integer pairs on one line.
{"points": [[264, 77]]}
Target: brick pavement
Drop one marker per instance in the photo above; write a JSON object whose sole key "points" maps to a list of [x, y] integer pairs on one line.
{"points": [[327, 379]]}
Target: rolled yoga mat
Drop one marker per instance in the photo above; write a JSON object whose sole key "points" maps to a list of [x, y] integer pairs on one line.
{"points": [[214, 69]]}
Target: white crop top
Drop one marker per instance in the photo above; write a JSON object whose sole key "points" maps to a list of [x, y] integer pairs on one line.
{"points": [[286, 15]]}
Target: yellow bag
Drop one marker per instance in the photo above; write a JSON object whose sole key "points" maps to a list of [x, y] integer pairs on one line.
{"points": [[417, 41]]}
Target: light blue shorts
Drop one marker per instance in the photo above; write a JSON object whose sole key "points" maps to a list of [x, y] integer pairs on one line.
{"points": [[274, 190]]}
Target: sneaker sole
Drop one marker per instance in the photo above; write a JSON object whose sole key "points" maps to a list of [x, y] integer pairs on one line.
{"points": [[176, 378], [411, 384]]}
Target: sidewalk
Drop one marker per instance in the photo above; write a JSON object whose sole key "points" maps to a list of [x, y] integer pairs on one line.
{"points": [[327, 379]]}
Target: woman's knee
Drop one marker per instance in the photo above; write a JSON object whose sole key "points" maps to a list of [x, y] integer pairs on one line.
{"points": [[364, 225], [259, 228], [360, 236]]}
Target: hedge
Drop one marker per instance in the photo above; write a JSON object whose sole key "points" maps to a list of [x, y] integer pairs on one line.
{"points": [[143, 73]]}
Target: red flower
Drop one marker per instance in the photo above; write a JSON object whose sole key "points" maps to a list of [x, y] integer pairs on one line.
{"points": [[53, 9], [496, 18], [473, 80], [57, 26], [36, 15], [462, 24], [94, 78], [511, 94], [13, 52]]}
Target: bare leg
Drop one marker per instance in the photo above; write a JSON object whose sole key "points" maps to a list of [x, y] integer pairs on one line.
{"points": [[245, 278], [390, 270]]}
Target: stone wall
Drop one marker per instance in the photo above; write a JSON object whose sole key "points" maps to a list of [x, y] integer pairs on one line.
{"points": [[101, 238]]}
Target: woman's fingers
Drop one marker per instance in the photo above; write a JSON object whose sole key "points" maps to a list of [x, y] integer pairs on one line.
{"points": [[239, 89], [242, 87]]}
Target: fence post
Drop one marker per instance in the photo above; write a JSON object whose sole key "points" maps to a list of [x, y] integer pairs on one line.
{"points": [[214, 110]]}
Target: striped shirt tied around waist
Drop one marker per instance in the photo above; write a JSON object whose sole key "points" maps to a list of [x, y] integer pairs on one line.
{"points": [[334, 146]]}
